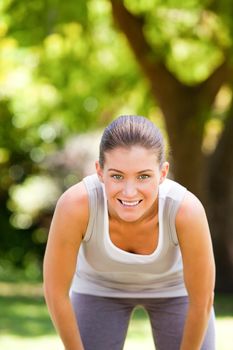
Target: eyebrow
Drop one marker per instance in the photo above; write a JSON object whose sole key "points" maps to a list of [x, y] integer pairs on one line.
{"points": [[139, 172]]}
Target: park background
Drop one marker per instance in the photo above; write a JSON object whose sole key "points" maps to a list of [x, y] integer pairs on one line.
{"points": [[67, 68]]}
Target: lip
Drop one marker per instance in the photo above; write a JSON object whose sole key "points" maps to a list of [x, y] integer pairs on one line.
{"points": [[129, 204]]}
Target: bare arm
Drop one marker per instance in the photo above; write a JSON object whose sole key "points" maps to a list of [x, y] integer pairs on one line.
{"points": [[199, 269], [67, 228]]}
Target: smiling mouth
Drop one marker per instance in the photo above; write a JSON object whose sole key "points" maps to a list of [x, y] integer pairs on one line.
{"points": [[129, 204]]}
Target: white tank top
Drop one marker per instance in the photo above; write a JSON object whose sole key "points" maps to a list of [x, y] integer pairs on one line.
{"points": [[106, 270]]}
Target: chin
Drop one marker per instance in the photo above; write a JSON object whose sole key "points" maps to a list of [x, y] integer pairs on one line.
{"points": [[130, 218]]}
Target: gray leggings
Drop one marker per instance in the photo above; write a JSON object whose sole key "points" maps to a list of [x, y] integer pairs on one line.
{"points": [[103, 321]]}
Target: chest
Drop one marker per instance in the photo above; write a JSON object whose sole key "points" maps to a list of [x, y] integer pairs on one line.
{"points": [[138, 238]]}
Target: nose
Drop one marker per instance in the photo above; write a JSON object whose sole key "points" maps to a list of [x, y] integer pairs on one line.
{"points": [[129, 189]]}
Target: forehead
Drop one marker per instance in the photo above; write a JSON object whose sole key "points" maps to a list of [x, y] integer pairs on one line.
{"points": [[137, 157]]}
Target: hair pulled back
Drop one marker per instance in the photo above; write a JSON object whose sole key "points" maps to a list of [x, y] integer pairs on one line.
{"points": [[131, 130]]}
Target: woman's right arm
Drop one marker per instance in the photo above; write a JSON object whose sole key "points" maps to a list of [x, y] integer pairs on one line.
{"points": [[66, 232]]}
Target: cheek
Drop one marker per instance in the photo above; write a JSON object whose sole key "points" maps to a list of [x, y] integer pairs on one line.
{"points": [[151, 191], [111, 188], [152, 194]]}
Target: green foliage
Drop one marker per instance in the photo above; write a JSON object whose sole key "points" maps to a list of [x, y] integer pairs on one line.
{"points": [[190, 39], [63, 70], [31, 22], [224, 9]]}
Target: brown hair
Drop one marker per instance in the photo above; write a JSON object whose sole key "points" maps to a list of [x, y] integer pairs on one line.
{"points": [[131, 130]]}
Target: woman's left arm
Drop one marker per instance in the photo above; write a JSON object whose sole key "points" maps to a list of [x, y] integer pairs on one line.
{"points": [[199, 269]]}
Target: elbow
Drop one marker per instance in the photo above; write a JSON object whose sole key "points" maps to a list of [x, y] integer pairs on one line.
{"points": [[208, 303], [203, 305], [48, 293], [210, 300], [52, 298], [54, 294]]}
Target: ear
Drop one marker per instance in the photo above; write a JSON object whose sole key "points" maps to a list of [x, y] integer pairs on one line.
{"points": [[164, 172], [99, 170]]}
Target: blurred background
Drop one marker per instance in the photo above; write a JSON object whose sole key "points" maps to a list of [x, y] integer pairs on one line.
{"points": [[69, 68]]}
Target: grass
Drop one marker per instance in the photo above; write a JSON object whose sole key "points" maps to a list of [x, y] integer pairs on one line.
{"points": [[25, 323]]}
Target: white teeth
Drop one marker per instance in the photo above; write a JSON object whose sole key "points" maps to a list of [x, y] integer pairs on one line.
{"points": [[130, 204]]}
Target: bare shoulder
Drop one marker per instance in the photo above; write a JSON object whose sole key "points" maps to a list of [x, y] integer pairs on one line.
{"points": [[74, 198], [72, 208], [66, 232], [190, 209], [191, 217]]}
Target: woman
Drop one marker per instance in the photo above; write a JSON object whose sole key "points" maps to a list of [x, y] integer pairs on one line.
{"points": [[140, 239]]}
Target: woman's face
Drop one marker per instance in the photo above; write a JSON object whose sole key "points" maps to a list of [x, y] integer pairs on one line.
{"points": [[131, 177]]}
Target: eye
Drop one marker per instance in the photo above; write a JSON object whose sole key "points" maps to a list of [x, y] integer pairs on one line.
{"points": [[144, 177], [117, 177]]}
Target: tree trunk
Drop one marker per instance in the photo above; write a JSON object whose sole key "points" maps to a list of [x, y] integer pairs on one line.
{"points": [[185, 137], [220, 206]]}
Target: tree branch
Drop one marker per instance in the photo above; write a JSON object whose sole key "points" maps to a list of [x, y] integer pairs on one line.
{"points": [[220, 162], [211, 86], [162, 81]]}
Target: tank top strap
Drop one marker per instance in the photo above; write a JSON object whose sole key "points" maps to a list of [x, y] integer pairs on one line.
{"points": [[95, 192], [173, 201]]}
